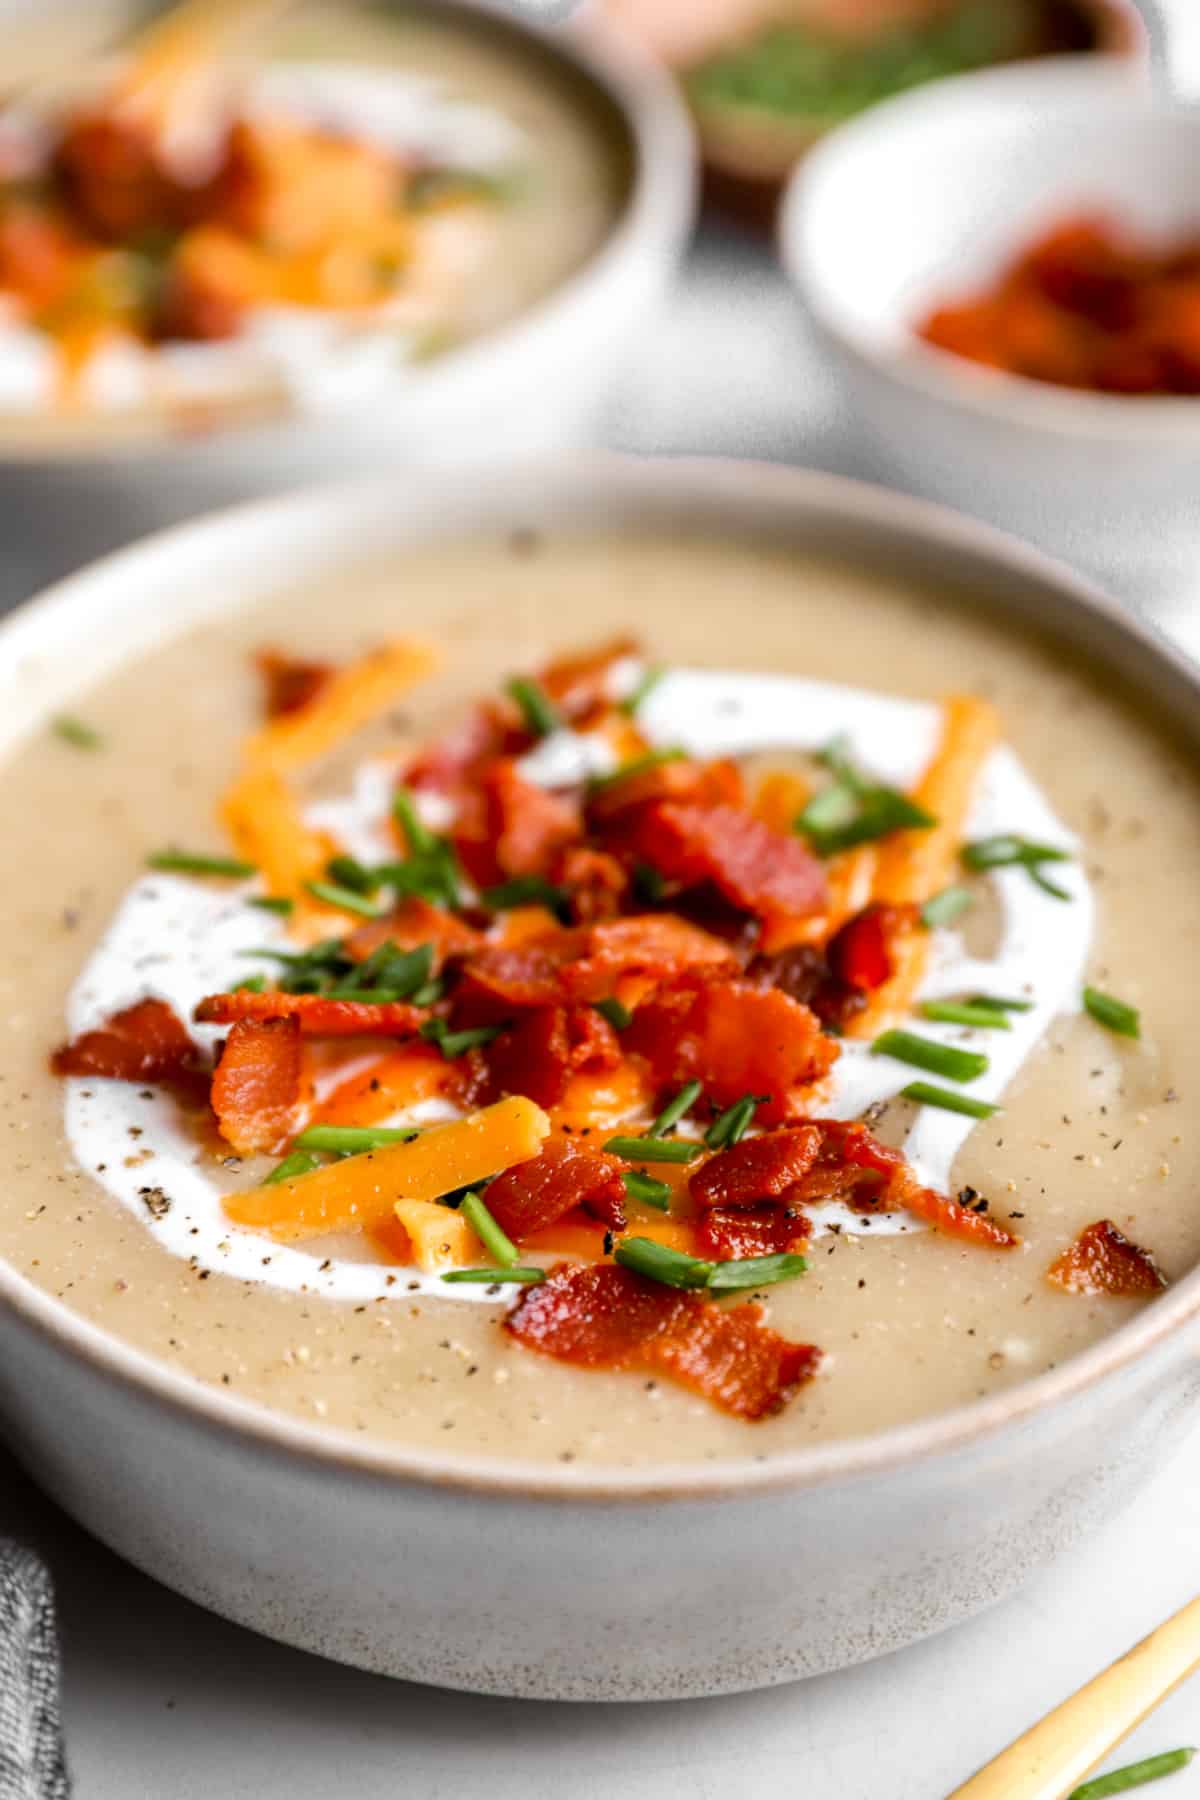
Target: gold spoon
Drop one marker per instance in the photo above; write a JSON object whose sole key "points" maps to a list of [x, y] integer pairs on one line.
{"points": [[1051, 1759]]}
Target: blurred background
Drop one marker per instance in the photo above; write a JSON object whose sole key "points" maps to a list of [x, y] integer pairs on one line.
{"points": [[915, 150]]}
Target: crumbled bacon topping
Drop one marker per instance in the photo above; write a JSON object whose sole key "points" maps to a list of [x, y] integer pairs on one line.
{"points": [[536, 1194], [546, 1046], [145, 1042], [1102, 1260], [290, 685], [257, 1084], [518, 828], [316, 1015], [759, 1168], [735, 1038], [410, 925], [731, 1233], [604, 1316], [586, 962], [755, 868]]}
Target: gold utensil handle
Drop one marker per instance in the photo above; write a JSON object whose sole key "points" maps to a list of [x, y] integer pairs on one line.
{"points": [[1066, 1745]]}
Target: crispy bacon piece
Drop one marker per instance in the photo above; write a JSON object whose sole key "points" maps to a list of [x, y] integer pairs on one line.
{"points": [[257, 1084], [413, 923], [735, 1038], [758, 869], [595, 882], [454, 763], [705, 784], [578, 685], [318, 1017], [759, 1168], [854, 1167], [737, 1232], [860, 954], [604, 1316], [144, 1042], [535, 1194], [1102, 1260], [289, 685], [586, 962], [524, 827], [109, 171], [547, 1045]]}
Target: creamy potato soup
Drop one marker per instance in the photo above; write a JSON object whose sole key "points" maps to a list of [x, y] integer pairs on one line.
{"points": [[733, 1037], [191, 245]]}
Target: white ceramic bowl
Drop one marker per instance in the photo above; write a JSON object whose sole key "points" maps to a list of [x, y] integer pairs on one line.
{"points": [[534, 384], [932, 194], [561, 1581]]}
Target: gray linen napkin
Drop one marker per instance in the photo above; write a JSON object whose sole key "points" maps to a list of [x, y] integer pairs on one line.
{"points": [[32, 1761]]}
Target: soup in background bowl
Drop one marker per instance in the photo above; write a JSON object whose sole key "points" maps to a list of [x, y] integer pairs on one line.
{"points": [[819, 953], [402, 229]]}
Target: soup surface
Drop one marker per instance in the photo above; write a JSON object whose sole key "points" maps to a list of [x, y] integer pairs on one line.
{"points": [[911, 1320], [390, 183]]}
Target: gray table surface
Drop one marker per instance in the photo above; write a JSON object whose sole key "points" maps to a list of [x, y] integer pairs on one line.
{"points": [[165, 1702]]}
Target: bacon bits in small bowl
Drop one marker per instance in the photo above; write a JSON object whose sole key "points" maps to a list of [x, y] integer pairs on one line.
{"points": [[1006, 273]]}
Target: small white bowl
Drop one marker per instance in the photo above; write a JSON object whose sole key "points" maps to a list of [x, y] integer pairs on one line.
{"points": [[928, 197]]}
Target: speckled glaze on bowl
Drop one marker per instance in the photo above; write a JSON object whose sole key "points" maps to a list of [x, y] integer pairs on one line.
{"points": [[565, 1582]]}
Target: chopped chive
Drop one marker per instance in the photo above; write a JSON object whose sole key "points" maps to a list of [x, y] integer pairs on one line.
{"points": [[674, 1268], [540, 714], [1001, 1003], [253, 984], [343, 898], [671, 1114], [1114, 1015], [488, 1232], [944, 908], [453, 1044], [617, 1014], [400, 972], [348, 872], [730, 1127], [660, 1263], [524, 890], [1133, 1775], [646, 1189], [429, 995], [188, 862], [300, 1162], [755, 1271], [652, 1150], [1005, 852], [527, 1277], [272, 903], [417, 834], [924, 1053], [641, 692], [956, 1012], [653, 759], [853, 810], [433, 874], [924, 1093], [74, 731], [351, 1140]]}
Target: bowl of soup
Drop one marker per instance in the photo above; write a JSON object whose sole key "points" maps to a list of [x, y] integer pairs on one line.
{"points": [[392, 231], [590, 1031], [1081, 431]]}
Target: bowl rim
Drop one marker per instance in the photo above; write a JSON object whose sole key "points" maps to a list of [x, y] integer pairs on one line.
{"points": [[657, 216], [925, 370], [756, 499]]}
